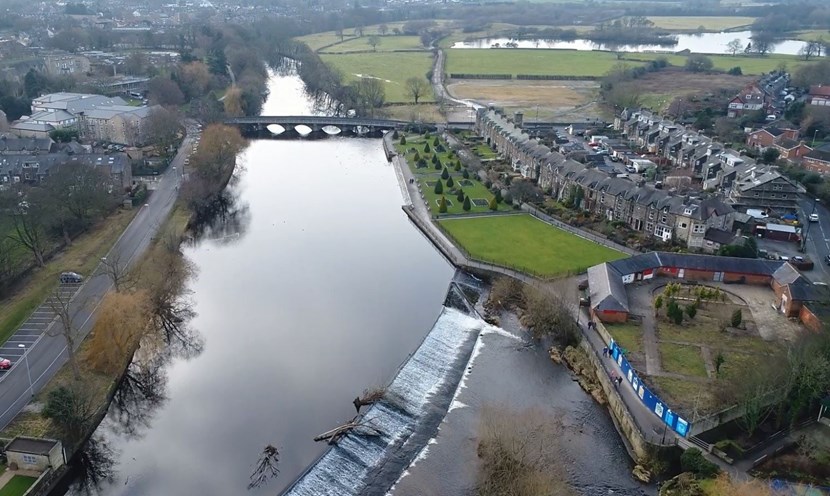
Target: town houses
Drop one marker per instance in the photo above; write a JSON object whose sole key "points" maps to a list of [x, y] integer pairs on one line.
{"points": [[700, 212]]}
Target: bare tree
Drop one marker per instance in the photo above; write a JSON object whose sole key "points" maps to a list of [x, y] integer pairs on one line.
{"points": [[30, 218], [734, 46], [373, 41], [517, 452], [59, 302], [416, 87], [383, 29], [266, 467], [162, 128], [116, 269]]}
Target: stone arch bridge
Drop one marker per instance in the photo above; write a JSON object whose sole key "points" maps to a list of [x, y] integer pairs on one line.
{"points": [[319, 126]]}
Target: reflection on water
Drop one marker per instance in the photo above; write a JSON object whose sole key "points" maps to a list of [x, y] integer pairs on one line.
{"points": [[312, 286], [713, 43]]}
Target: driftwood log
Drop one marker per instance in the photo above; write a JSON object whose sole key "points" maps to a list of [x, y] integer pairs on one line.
{"points": [[335, 434]]}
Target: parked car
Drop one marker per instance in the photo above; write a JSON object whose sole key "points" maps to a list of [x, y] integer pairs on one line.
{"points": [[5, 364], [71, 277]]}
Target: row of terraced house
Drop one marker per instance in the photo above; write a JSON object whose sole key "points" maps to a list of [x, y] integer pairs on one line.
{"points": [[703, 222]]}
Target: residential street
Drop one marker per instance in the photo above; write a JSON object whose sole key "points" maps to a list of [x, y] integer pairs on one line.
{"points": [[46, 354], [818, 238]]}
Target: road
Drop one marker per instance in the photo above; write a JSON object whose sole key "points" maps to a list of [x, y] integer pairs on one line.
{"points": [[818, 238], [46, 351]]}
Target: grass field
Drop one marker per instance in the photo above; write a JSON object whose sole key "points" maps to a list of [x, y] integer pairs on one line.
{"points": [[393, 68], [692, 23], [811, 35], [589, 63], [681, 359], [529, 61], [83, 256], [629, 336], [387, 44], [17, 486], [527, 244]]}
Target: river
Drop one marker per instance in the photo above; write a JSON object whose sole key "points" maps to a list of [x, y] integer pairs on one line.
{"points": [[711, 43], [314, 287]]}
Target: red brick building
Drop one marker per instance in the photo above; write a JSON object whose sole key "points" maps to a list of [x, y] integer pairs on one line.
{"points": [[817, 160], [768, 136], [820, 95], [609, 299]]}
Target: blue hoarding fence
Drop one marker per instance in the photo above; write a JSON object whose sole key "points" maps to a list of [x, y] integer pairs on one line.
{"points": [[657, 406]]}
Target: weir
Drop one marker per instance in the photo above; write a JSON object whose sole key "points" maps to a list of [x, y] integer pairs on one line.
{"points": [[407, 417]]}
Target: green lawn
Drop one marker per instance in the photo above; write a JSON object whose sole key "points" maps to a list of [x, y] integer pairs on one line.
{"points": [[527, 244], [393, 68], [529, 61], [18, 485], [682, 359], [387, 44], [584, 63], [692, 23], [683, 395], [629, 336], [316, 41], [810, 35]]}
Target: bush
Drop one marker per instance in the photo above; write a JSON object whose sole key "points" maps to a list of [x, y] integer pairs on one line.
{"points": [[439, 187], [498, 197], [403, 140], [465, 173], [438, 164], [737, 318], [460, 195], [691, 310], [467, 204], [450, 182], [493, 205], [421, 164], [426, 148], [395, 135], [417, 157], [692, 460], [735, 71], [457, 166], [435, 142], [442, 205], [445, 174], [434, 159]]}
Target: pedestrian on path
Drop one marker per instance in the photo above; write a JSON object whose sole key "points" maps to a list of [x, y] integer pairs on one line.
{"points": [[604, 351], [619, 380]]}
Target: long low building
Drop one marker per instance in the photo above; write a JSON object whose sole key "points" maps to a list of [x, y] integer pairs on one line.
{"points": [[609, 298]]}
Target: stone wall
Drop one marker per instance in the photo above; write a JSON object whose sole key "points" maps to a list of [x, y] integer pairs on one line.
{"points": [[635, 442]]}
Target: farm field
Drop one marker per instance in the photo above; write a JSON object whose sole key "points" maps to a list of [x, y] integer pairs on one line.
{"points": [[692, 23], [393, 68], [659, 89], [527, 244], [529, 61], [387, 44], [591, 63]]}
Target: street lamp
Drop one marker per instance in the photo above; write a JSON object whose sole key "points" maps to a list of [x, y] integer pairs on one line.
{"points": [[28, 372], [813, 144], [807, 229]]}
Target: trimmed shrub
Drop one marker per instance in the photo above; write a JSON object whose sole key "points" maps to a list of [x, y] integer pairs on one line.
{"points": [[493, 205], [467, 204], [460, 195], [691, 310], [442, 205], [439, 188], [465, 174], [417, 157], [457, 166], [450, 182], [395, 135], [497, 196], [438, 164], [426, 148], [435, 142], [403, 140], [445, 174]]}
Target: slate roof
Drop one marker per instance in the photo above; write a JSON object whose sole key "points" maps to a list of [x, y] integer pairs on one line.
{"points": [[10, 143], [607, 289], [719, 236], [691, 261], [819, 154]]}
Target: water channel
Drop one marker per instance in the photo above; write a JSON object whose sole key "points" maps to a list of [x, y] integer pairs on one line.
{"points": [[314, 287], [712, 43]]}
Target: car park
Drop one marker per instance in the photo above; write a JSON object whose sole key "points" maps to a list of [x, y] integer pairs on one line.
{"points": [[71, 277]]}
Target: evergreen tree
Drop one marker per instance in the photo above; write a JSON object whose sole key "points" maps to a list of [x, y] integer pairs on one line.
{"points": [[438, 165], [395, 134], [434, 159], [467, 204], [498, 195], [426, 148], [450, 182], [493, 204], [460, 195], [465, 174], [435, 142], [417, 157], [403, 140], [442, 205], [445, 174], [439, 187], [457, 166]]}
